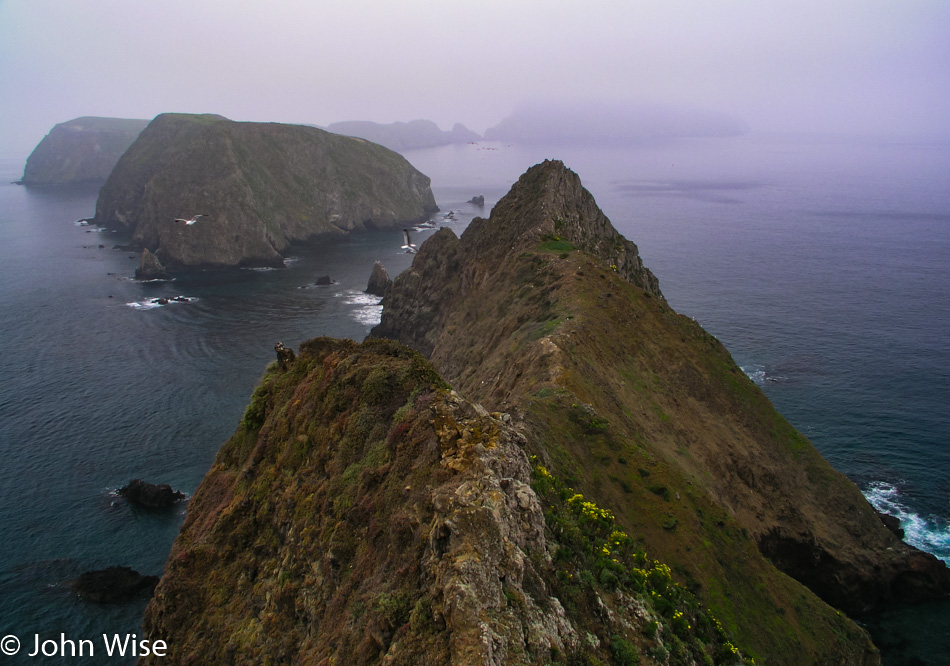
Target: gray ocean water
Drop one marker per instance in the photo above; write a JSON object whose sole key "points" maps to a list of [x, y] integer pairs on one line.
{"points": [[823, 265]]}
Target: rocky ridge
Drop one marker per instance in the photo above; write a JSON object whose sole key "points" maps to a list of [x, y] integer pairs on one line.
{"points": [[539, 311], [600, 482], [364, 512], [258, 186]]}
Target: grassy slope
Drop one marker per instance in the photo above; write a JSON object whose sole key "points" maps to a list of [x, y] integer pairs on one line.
{"points": [[645, 368]]}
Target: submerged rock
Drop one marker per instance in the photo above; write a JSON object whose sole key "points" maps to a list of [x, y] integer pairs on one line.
{"points": [[150, 495], [379, 281], [113, 585]]}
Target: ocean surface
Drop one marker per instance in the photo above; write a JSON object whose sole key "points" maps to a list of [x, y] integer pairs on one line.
{"points": [[822, 264]]}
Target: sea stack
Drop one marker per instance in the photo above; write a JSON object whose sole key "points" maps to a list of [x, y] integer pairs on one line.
{"points": [[379, 281], [151, 268]]}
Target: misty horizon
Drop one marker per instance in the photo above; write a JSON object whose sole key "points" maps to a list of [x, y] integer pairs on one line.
{"points": [[869, 68]]}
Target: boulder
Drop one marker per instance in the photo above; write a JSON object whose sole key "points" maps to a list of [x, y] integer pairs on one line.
{"points": [[149, 495], [113, 585], [893, 523], [379, 281]]}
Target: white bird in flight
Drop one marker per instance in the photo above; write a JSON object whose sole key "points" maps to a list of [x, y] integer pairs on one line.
{"points": [[408, 246], [191, 221]]}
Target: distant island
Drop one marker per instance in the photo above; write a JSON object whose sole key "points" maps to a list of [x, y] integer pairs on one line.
{"points": [[258, 187], [82, 150], [404, 136], [602, 122]]}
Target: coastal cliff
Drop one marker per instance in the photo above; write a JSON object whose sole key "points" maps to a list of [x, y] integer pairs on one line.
{"points": [[82, 150], [575, 474], [648, 414], [259, 186], [364, 512]]}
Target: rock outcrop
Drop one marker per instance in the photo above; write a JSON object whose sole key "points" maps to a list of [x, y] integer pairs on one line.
{"points": [[151, 495], [150, 268], [113, 585], [83, 150], [259, 187], [379, 280]]}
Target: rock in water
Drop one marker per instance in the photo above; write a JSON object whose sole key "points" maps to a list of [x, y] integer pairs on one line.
{"points": [[112, 585], [379, 281], [150, 495], [83, 150], [478, 200], [151, 268], [262, 186], [323, 281]]}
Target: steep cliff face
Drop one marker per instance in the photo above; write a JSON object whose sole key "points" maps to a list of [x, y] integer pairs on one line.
{"points": [[260, 187], [365, 513], [541, 312], [83, 150]]}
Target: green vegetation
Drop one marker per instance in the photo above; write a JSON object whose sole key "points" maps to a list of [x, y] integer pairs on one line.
{"points": [[594, 555], [556, 244]]}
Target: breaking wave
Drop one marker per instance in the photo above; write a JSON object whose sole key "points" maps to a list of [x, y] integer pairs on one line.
{"points": [[369, 308], [930, 534]]}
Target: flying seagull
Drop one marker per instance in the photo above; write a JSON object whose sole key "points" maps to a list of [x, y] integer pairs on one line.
{"points": [[191, 221], [408, 246]]}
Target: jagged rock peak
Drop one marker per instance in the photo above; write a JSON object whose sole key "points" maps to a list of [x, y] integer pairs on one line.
{"points": [[379, 280], [549, 203]]}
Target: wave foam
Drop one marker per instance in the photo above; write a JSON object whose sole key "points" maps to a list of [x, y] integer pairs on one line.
{"points": [[152, 303], [758, 375], [370, 309], [931, 534]]}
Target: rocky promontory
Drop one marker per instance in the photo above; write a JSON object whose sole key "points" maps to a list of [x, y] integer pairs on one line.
{"points": [[83, 150], [258, 188], [563, 471]]}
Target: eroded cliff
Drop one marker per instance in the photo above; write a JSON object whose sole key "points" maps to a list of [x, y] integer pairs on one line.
{"points": [[258, 186]]}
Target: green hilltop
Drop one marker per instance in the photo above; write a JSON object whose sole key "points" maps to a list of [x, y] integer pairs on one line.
{"points": [[260, 186]]}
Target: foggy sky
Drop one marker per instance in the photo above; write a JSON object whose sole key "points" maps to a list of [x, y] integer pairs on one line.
{"points": [[858, 66]]}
